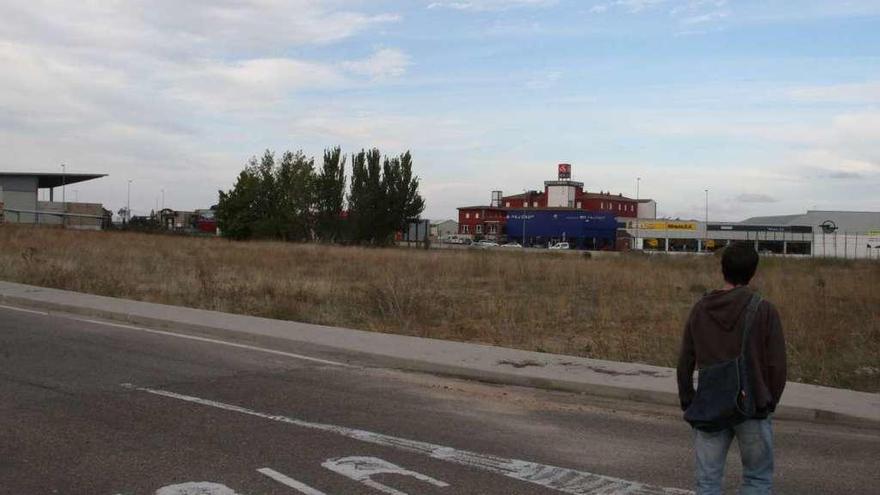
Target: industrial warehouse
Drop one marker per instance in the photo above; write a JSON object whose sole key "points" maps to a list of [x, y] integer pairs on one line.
{"points": [[565, 212]]}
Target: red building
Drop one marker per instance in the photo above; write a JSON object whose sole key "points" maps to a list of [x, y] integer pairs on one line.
{"points": [[561, 194]]}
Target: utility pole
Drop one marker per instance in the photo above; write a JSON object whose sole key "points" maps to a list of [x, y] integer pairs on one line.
{"points": [[163, 198]]}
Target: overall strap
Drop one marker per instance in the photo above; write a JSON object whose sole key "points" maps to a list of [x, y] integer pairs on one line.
{"points": [[750, 317]]}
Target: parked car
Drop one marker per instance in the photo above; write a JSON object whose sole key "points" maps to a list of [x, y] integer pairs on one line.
{"points": [[560, 245], [512, 245], [486, 244], [452, 239]]}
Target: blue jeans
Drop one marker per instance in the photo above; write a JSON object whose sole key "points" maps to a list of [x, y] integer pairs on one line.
{"points": [[755, 438]]}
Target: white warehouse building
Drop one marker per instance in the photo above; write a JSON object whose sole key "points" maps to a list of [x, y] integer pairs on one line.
{"points": [[836, 234]]}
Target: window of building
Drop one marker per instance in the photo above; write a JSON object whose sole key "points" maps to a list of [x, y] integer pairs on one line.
{"points": [[579, 205], [493, 228], [467, 215], [476, 215], [507, 204], [535, 204], [601, 205], [479, 229], [465, 229]]}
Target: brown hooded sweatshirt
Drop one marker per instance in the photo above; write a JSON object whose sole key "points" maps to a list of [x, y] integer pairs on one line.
{"points": [[713, 334]]}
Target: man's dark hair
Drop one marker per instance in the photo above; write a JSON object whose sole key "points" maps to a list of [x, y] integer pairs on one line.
{"points": [[739, 262]]}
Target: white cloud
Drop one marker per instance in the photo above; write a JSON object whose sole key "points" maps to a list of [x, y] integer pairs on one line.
{"points": [[217, 86], [197, 28], [821, 163], [490, 5], [544, 79], [172, 95], [687, 13], [755, 198], [704, 18], [384, 63], [637, 6], [867, 92]]}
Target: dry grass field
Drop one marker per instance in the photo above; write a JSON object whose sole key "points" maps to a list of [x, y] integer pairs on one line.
{"points": [[625, 308]]}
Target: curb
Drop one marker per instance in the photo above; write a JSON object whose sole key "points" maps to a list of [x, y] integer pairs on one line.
{"points": [[659, 397]]}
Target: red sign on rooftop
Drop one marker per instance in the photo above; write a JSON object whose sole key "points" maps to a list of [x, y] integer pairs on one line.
{"points": [[564, 171]]}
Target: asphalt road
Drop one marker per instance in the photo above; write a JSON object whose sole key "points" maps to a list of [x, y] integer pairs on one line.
{"points": [[98, 409]]}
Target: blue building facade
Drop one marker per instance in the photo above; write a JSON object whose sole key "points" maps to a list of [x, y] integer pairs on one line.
{"points": [[581, 229]]}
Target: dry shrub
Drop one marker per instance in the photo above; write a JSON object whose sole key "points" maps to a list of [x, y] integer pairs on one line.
{"points": [[627, 308]]}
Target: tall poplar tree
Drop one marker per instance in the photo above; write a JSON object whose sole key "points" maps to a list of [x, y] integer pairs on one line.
{"points": [[330, 196]]}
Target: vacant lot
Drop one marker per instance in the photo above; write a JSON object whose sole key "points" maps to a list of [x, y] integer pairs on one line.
{"points": [[626, 308]]}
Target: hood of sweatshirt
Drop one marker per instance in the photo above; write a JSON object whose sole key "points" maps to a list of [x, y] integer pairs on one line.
{"points": [[725, 307]]}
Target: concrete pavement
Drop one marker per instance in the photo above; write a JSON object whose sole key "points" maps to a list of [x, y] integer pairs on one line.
{"points": [[479, 362]]}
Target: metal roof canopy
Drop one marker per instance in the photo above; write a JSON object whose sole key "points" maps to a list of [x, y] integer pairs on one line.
{"points": [[52, 180]]}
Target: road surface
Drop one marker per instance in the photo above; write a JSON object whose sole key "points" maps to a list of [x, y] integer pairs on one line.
{"points": [[102, 409]]}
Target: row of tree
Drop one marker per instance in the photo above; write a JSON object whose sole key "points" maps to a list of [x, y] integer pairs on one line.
{"points": [[289, 199]]}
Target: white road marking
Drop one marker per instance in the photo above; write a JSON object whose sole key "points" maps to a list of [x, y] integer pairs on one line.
{"points": [[555, 478], [215, 341], [285, 480], [23, 310], [196, 488], [183, 336], [362, 469]]}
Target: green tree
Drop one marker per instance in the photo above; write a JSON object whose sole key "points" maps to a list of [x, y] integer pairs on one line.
{"points": [[269, 199], [384, 195], [294, 196], [365, 199], [401, 190], [286, 199], [330, 196], [236, 210], [265, 221]]}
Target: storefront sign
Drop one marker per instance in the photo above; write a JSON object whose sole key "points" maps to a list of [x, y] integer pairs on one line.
{"points": [[655, 225], [801, 229]]}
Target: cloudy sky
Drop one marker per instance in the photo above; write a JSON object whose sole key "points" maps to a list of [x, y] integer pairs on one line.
{"points": [[772, 105]]}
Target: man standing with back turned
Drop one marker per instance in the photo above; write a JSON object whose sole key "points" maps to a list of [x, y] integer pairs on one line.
{"points": [[712, 337]]}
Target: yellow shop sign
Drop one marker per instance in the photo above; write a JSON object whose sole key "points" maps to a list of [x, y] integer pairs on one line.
{"points": [[655, 225]]}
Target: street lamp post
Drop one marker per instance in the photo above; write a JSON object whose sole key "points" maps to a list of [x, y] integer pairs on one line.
{"points": [[128, 204], [525, 193], [163, 198], [706, 240], [638, 182], [63, 198]]}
